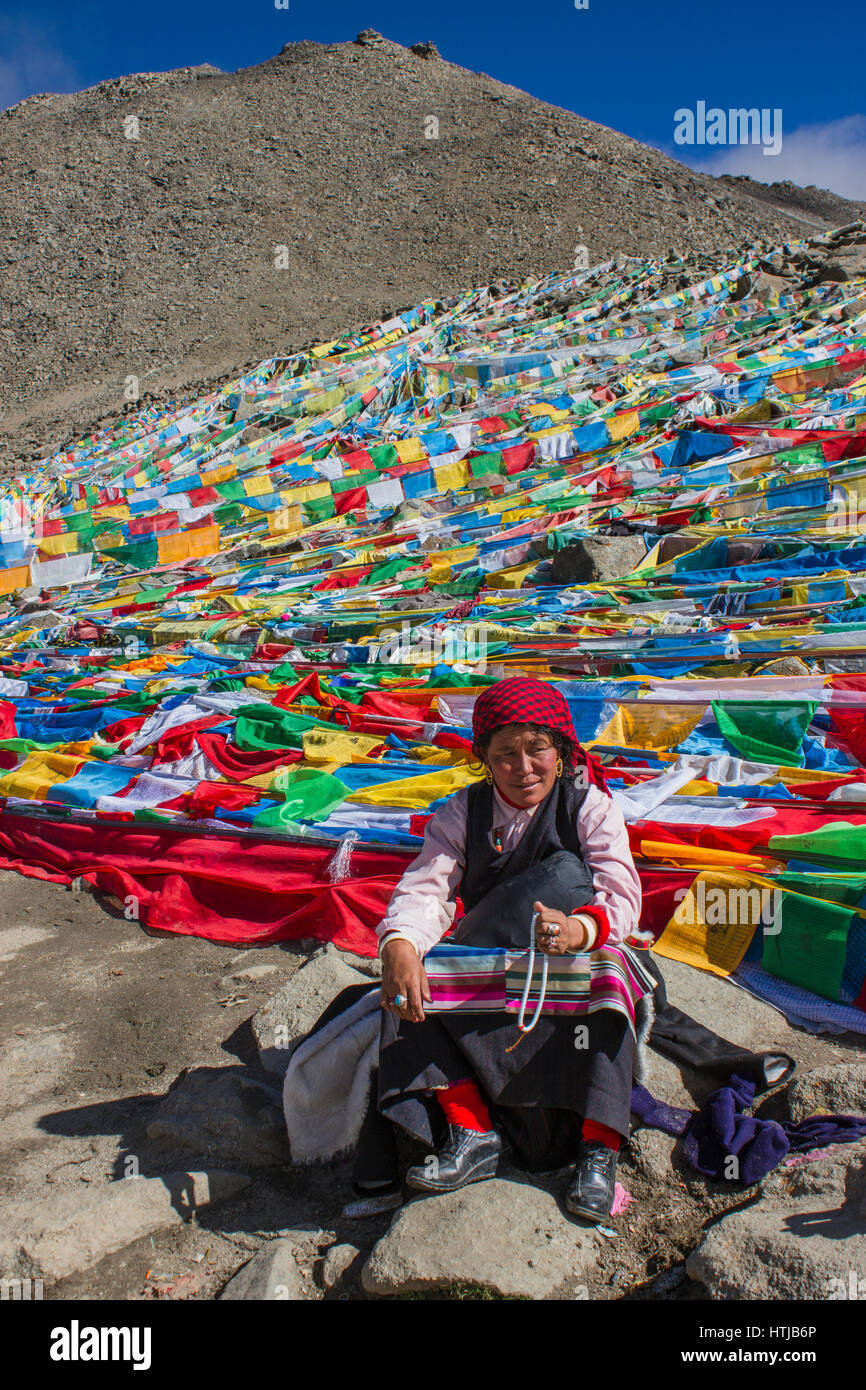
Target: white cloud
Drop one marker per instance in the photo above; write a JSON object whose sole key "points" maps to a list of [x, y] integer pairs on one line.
{"points": [[31, 63], [830, 155]]}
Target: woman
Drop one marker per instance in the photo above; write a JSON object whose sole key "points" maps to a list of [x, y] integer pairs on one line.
{"points": [[532, 847]]}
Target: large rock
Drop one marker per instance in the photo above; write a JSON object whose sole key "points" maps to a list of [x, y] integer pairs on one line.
{"points": [[337, 1263], [222, 1112], [598, 559], [837, 1089], [55, 1235], [803, 1241], [826, 1176], [291, 1013], [272, 1273], [506, 1236], [650, 1153]]}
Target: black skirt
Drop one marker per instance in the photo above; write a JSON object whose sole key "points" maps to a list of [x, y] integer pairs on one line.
{"points": [[539, 1085]]}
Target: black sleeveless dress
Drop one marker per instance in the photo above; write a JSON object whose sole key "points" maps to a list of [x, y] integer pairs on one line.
{"points": [[540, 1091]]}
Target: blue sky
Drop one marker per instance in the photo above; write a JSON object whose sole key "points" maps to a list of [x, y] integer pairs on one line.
{"points": [[627, 64]]}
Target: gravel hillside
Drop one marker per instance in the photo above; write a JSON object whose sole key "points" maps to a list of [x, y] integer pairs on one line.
{"points": [[158, 257]]}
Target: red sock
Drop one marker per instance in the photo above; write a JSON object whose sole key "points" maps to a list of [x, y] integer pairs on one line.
{"points": [[463, 1105], [595, 1133]]}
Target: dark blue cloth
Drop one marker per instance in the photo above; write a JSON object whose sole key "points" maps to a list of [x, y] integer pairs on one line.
{"points": [[721, 1129]]}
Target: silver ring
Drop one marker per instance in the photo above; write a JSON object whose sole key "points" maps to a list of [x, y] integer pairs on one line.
{"points": [[400, 1001]]}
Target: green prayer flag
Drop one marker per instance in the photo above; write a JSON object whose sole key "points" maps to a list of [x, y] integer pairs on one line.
{"points": [[840, 840], [766, 733], [809, 950], [309, 795], [268, 727]]}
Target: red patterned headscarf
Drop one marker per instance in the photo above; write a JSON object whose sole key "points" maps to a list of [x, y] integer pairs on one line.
{"points": [[523, 700]]}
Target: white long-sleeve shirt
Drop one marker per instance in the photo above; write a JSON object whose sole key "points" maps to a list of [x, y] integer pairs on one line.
{"points": [[422, 906]]}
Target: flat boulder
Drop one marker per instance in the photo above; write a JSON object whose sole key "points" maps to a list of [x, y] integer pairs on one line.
{"points": [[501, 1235], [58, 1234], [290, 1014], [273, 1273], [804, 1240], [224, 1112], [836, 1089], [598, 559]]}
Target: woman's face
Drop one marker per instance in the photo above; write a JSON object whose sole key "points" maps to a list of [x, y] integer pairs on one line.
{"points": [[523, 763]]}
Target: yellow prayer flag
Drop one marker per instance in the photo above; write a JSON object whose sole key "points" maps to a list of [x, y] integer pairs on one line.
{"points": [[714, 923], [621, 426], [451, 476]]}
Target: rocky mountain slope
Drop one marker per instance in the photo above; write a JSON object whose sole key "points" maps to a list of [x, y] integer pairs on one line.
{"points": [[162, 230]]}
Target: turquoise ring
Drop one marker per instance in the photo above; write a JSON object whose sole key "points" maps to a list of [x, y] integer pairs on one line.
{"points": [[400, 1001]]}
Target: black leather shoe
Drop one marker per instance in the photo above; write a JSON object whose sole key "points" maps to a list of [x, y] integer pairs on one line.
{"points": [[467, 1157], [591, 1190]]}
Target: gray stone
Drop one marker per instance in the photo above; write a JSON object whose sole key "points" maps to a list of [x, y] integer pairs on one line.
{"points": [[15, 939], [506, 1236], [836, 1176], [668, 1280], [649, 1151], [836, 1089], [337, 1263], [56, 1235], [291, 1013], [427, 49], [808, 1243], [597, 560], [785, 666], [367, 965], [222, 1111], [248, 972], [272, 1273]]}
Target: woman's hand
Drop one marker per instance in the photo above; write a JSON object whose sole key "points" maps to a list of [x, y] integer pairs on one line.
{"points": [[403, 973], [556, 934]]}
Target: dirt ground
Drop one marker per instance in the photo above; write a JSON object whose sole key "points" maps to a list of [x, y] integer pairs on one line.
{"points": [[98, 1017]]}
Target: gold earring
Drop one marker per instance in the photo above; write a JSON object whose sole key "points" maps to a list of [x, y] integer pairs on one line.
{"points": [[559, 767], [488, 776]]}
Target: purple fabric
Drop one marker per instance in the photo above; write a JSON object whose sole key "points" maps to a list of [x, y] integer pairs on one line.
{"points": [[721, 1129]]}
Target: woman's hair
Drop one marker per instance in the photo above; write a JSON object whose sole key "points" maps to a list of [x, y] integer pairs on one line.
{"points": [[565, 746]]}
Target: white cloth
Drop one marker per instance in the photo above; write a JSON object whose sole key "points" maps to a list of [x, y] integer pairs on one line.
{"points": [[66, 569], [149, 790], [327, 1083], [684, 813], [640, 801], [196, 765], [387, 493]]}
